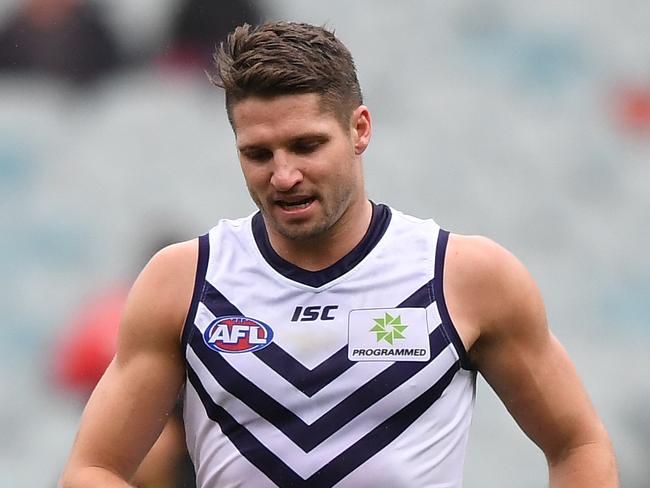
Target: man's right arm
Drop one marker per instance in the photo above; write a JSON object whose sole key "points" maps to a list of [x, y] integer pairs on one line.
{"points": [[132, 401]]}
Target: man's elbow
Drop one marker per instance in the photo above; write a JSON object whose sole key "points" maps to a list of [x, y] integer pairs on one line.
{"points": [[589, 459]]}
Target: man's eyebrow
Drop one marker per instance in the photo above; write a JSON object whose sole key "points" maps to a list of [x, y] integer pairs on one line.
{"points": [[248, 147], [312, 136]]}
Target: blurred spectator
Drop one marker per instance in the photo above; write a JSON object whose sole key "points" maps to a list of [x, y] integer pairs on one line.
{"points": [[84, 350], [633, 108], [63, 38], [200, 25]]}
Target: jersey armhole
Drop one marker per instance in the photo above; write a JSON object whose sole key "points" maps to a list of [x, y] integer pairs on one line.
{"points": [[438, 290], [199, 283]]}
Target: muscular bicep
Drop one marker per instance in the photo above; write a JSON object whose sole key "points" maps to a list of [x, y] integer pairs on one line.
{"points": [[130, 404], [505, 325], [538, 384]]}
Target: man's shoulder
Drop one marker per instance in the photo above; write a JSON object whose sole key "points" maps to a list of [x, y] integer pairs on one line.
{"points": [[477, 255], [163, 290], [486, 284], [406, 217], [174, 258], [238, 222], [483, 265]]}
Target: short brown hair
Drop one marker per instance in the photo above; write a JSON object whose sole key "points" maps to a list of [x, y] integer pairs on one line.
{"points": [[287, 58]]}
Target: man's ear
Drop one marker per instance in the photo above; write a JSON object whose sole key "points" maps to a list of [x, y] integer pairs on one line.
{"points": [[361, 127]]}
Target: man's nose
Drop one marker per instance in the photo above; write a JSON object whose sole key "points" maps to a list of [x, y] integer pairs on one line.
{"points": [[286, 174]]}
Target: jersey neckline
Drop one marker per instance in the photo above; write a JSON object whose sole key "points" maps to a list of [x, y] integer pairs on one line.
{"points": [[381, 216]]}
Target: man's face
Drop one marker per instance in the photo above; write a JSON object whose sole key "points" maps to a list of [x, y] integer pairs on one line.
{"points": [[302, 168]]}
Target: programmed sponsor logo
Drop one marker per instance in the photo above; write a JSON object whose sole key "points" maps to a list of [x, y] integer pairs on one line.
{"points": [[388, 335], [237, 334], [377, 352]]}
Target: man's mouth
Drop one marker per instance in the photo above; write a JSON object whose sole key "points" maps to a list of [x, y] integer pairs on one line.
{"points": [[295, 204]]}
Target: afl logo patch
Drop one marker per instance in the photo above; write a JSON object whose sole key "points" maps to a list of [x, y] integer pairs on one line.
{"points": [[236, 333]]}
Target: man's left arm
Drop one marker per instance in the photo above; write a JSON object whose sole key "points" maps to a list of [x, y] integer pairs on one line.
{"points": [[525, 364]]}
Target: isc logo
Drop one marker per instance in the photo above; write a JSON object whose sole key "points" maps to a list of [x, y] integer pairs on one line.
{"points": [[314, 312], [237, 334]]}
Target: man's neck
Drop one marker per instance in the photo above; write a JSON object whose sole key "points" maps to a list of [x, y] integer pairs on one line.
{"points": [[323, 251]]}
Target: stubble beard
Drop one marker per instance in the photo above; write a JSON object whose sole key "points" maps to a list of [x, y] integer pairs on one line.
{"points": [[341, 201]]}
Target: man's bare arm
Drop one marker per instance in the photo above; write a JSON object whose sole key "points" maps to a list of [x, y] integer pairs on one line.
{"points": [[498, 307], [132, 401]]}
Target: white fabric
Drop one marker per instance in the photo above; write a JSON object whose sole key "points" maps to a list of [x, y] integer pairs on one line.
{"points": [[428, 453]]}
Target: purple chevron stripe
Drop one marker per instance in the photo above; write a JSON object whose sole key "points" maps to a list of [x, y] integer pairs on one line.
{"points": [[245, 442], [304, 435], [420, 298], [309, 381], [339, 467], [218, 304]]}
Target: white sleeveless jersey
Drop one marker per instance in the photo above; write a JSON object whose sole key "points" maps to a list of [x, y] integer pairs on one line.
{"points": [[352, 376]]}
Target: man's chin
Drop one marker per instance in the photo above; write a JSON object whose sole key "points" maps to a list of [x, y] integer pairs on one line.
{"points": [[299, 232]]}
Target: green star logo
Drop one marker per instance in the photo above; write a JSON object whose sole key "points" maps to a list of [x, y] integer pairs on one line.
{"points": [[389, 328]]}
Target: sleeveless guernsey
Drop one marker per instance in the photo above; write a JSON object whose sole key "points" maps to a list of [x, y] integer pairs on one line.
{"points": [[352, 376]]}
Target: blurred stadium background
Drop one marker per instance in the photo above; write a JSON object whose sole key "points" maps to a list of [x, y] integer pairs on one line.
{"points": [[528, 122]]}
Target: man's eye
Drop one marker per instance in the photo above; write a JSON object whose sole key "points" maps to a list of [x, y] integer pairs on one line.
{"points": [[258, 156], [306, 147]]}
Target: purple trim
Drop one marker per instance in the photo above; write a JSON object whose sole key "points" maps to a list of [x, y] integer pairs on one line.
{"points": [[343, 464], [447, 324], [199, 280], [381, 216]]}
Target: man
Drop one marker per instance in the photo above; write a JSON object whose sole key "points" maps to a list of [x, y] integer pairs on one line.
{"points": [[327, 340]]}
